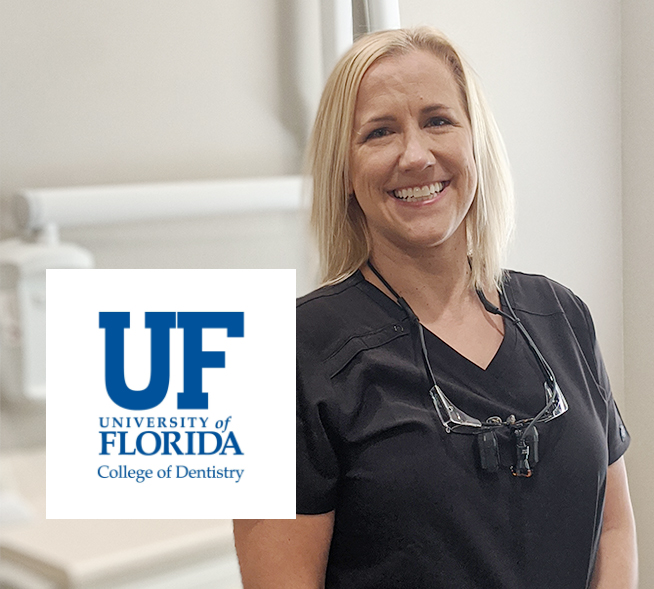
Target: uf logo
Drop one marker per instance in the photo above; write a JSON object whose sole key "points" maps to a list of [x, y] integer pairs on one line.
{"points": [[195, 358]]}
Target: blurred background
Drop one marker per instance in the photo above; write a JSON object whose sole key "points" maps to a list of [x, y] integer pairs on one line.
{"points": [[159, 91]]}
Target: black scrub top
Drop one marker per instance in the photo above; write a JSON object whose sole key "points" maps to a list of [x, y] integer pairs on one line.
{"points": [[412, 506]]}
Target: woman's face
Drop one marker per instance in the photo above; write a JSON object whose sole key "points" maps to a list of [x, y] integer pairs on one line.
{"points": [[411, 160]]}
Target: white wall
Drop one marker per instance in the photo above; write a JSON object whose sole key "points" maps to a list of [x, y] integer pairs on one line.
{"points": [[121, 91], [638, 211], [131, 90]]}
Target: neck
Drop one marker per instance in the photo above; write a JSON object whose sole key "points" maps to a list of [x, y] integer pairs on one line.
{"points": [[436, 285], [430, 283]]}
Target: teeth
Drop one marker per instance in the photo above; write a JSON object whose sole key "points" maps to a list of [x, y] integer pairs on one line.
{"points": [[419, 192]]}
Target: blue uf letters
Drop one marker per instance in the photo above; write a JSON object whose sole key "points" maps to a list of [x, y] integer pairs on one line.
{"points": [[195, 358]]}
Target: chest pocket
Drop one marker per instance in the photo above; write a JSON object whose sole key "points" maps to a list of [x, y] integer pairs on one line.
{"points": [[356, 344]]}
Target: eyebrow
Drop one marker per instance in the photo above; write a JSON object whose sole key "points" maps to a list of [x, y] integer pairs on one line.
{"points": [[434, 108], [381, 119]]}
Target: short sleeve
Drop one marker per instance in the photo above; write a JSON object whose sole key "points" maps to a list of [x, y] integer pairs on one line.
{"points": [[316, 463], [618, 437]]}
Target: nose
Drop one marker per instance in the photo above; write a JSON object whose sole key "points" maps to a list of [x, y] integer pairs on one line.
{"points": [[416, 155]]}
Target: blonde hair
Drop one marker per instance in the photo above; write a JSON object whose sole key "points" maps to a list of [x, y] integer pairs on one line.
{"points": [[337, 220]]}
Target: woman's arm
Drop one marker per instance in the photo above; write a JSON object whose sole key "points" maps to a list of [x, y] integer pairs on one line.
{"points": [[284, 553], [617, 560]]}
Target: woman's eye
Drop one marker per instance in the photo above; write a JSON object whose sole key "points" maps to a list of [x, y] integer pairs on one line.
{"points": [[377, 133], [438, 122]]}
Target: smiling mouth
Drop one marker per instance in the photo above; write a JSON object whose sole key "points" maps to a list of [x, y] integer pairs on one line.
{"points": [[419, 193]]}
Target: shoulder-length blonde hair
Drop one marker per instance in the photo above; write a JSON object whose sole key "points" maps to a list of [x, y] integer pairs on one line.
{"points": [[337, 219]]}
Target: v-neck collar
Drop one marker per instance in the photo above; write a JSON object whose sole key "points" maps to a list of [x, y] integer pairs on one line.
{"points": [[459, 362], [494, 368]]}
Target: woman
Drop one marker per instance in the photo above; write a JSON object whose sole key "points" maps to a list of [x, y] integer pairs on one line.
{"points": [[455, 423]]}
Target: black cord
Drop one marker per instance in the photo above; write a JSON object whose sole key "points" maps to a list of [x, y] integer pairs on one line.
{"points": [[412, 317], [511, 316], [544, 366]]}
